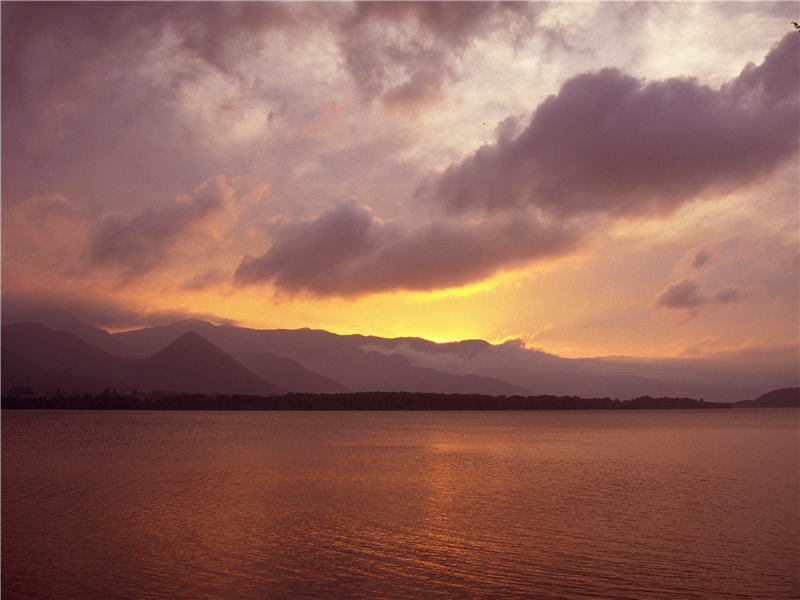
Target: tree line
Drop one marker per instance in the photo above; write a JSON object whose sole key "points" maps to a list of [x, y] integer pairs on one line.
{"points": [[357, 401]]}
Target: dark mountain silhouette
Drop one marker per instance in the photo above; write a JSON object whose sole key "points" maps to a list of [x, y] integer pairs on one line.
{"points": [[545, 373], [345, 359], [192, 364], [58, 320], [782, 398], [317, 361], [141, 343], [18, 374], [34, 355], [291, 375], [369, 363]]}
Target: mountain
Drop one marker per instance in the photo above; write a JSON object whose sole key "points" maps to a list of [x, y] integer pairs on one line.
{"points": [[192, 364], [36, 356], [345, 359], [19, 377], [291, 375], [141, 343], [782, 398], [58, 320], [318, 361], [544, 373], [39, 358]]}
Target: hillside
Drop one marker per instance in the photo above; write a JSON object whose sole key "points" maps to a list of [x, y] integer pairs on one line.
{"points": [[782, 398], [316, 361], [348, 360], [36, 356], [291, 375], [191, 364], [42, 360]]}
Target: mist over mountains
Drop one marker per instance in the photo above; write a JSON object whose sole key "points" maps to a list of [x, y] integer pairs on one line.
{"points": [[56, 351]]}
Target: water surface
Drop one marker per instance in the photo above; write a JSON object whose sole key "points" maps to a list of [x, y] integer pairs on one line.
{"points": [[555, 505]]}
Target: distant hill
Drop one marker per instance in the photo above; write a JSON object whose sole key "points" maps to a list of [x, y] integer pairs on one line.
{"points": [[19, 377], [368, 363], [42, 360], [345, 359], [36, 356], [291, 375], [58, 320], [317, 361], [191, 364], [782, 398]]}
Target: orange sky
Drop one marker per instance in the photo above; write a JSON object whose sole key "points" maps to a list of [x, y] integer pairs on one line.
{"points": [[591, 178]]}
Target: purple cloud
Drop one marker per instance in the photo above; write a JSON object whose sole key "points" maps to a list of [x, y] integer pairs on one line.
{"points": [[97, 311], [422, 39], [347, 252], [685, 294], [206, 279], [139, 242], [728, 295], [613, 144], [702, 257], [682, 294], [423, 88]]}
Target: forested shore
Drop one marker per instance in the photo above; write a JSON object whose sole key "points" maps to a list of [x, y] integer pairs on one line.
{"points": [[348, 401]]}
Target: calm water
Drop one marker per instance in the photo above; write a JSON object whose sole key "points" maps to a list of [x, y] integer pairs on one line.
{"points": [[639, 505]]}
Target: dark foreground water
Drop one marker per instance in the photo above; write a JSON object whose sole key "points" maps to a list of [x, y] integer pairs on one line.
{"points": [[598, 504]]}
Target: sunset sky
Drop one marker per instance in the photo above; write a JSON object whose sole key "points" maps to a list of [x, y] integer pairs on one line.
{"points": [[591, 178]]}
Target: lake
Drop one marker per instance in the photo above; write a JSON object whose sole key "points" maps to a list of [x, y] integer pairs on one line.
{"points": [[652, 504]]}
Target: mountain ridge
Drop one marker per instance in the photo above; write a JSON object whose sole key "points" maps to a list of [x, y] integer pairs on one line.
{"points": [[780, 398], [359, 363], [39, 358], [192, 364]]}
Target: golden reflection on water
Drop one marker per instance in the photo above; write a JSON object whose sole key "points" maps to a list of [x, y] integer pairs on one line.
{"points": [[399, 505]]}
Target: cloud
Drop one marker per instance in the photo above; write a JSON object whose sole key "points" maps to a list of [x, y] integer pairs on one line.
{"points": [[682, 294], [105, 313], [348, 252], [43, 235], [207, 279], [685, 295], [208, 30], [140, 242], [610, 143], [728, 295], [422, 89], [701, 257], [394, 50]]}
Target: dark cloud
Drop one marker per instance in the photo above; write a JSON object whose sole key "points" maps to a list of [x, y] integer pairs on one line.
{"points": [[728, 295], [82, 30], [452, 22], [611, 143], [374, 37], [347, 252], [207, 279], [421, 39], [422, 89], [685, 294], [106, 314], [80, 99], [682, 294], [702, 257], [138, 243]]}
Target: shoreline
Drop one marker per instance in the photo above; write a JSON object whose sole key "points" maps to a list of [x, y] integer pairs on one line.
{"points": [[358, 401]]}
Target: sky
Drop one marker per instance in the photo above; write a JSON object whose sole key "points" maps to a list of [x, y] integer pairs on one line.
{"points": [[593, 179]]}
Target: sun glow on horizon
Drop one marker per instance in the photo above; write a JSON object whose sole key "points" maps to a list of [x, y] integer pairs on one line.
{"points": [[400, 173]]}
